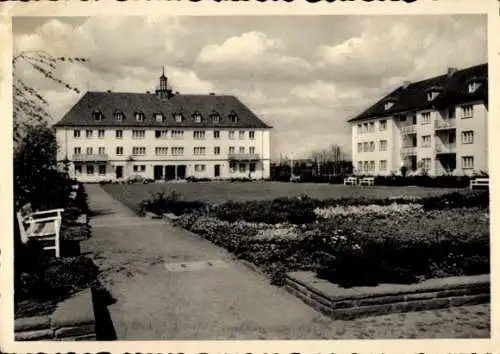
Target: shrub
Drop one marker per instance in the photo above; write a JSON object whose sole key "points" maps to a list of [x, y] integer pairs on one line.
{"points": [[161, 203]]}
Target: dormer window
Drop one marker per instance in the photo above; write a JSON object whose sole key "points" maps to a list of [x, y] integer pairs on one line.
{"points": [[118, 116], [433, 92], [159, 117], [473, 86], [233, 117], [139, 117], [215, 117], [388, 105], [197, 117], [97, 115], [178, 117]]}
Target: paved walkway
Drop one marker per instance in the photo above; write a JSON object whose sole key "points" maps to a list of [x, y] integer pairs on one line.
{"points": [[165, 288]]}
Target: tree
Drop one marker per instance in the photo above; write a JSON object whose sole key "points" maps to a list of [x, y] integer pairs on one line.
{"points": [[29, 106], [332, 159]]}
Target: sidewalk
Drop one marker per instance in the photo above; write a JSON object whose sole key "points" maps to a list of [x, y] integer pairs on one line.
{"points": [[165, 289]]}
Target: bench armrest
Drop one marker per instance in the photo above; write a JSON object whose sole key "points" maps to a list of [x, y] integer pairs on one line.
{"points": [[47, 211], [36, 221]]}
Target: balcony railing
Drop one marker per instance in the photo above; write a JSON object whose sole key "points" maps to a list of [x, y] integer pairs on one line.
{"points": [[446, 148], [244, 157], [409, 150], [409, 129], [90, 158], [445, 124]]}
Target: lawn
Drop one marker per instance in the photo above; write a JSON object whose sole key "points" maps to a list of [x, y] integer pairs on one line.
{"points": [[219, 192]]}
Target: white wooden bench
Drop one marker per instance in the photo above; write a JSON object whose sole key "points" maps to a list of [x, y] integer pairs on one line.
{"points": [[350, 181], [41, 226], [367, 181], [294, 178], [483, 182]]}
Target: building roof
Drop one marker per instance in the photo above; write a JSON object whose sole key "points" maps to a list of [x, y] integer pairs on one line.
{"points": [[452, 88], [109, 103]]}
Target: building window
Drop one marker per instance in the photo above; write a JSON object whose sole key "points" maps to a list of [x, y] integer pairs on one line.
{"points": [[216, 134], [118, 116], [88, 133], [467, 111], [383, 145], [231, 149], [161, 151], [360, 129], [467, 162], [451, 113], [90, 170], [365, 166], [426, 118], [232, 167], [372, 166], [100, 133], [76, 133], [177, 151], [360, 147], [468, 137], [215, 117], [365, 146], [178, 117], [251, 135], [231, 134], [426, 163], [473, 86], [97, 115], [199, 150], [372, 146], [90, 151], [102, 150], [161, 134], [365, 127], [78, 169], [77, 151], [371, 127], [119, 150], [119, 134], [242, 150], [216, 150], [431, 95], [251, 149], [177, 134], [199, 168], [138, 151], [242, 134], [139, 168], [383, 165], [197, 117], [360, 165], [139, 117], [199, 134], [102, 170], [382, 125], [252, 166], [138, 134], [388, 105], [242, 167], [159, 118], [233, 117], [426, 140]]}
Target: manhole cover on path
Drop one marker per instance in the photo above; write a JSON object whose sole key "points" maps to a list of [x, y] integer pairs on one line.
{"points": [[195, 266]]}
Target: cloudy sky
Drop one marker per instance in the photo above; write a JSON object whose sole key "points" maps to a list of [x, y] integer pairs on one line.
{"points": [[304, 75]]}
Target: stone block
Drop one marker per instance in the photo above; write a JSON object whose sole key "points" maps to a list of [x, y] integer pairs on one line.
{"points": [[380, 300], [75, 331], [34, 335], [420, 296], [421, 305], [470, 300], [75, 311], [362, 311], [86, 337], [31, 323]]}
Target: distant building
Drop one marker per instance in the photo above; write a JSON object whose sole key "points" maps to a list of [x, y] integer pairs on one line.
{"points": [[164, 136], [438, 125]]}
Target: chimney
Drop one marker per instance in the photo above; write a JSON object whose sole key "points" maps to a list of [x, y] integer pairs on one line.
{"points": [[148, 92], [212, 94], [452, 71], [406, 84], [109, 90]]}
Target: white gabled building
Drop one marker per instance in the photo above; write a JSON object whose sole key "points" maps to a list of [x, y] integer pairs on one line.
{"points": [[439, 125], [162, 135]]}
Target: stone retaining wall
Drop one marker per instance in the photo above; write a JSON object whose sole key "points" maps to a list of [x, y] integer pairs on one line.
{"points": [[73, 319], [349, 303]]}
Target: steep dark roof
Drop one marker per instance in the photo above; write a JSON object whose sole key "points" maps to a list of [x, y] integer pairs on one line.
{"points": [[454, 90], [81, 114]]}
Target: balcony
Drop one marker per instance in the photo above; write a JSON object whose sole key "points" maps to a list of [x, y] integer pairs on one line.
{"points": [[409, 150], [445, 124], [90, 158], [243, 157], [446, 148], [408, 129]]}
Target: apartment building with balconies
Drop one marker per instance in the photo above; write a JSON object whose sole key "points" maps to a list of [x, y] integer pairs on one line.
{"points": [[162, 136], [437, 126]]}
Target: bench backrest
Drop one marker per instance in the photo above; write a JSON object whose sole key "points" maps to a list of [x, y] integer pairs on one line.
{"points": [[23, 214], [481, 180]]}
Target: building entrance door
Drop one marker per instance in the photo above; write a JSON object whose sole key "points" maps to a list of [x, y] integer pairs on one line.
{"points": [[169, 172], [181, 171], [119, 172], [158, 172], [216, 170]]}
